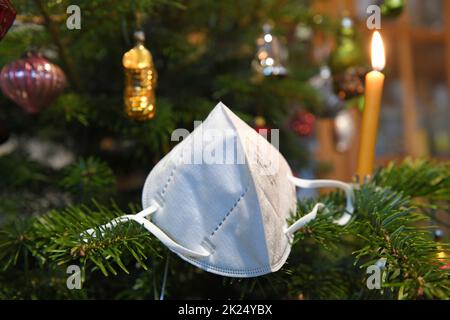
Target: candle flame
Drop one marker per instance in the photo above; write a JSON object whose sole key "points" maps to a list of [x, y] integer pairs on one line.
{"points": [[378, 57]]}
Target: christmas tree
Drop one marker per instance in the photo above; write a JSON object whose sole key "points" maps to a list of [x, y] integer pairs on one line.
{"points": [[72, 159]]}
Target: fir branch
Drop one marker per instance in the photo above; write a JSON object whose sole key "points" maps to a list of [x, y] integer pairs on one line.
{"points": [[388, 225], [88, 178], [57, 238], [426, 181], [108, 248]]}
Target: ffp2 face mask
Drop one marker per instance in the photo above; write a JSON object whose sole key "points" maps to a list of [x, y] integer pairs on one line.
{"points": [[222, 198]]}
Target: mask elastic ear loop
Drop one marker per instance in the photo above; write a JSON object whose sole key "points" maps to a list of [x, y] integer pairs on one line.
{"points": [[305, 219], [303, 183], [152, 228]]}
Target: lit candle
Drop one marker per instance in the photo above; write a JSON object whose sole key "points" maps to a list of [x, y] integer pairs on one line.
{"points": [[372, 104]]}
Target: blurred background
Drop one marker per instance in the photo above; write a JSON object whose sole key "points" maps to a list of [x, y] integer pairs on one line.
{"points": [[414, 118]]}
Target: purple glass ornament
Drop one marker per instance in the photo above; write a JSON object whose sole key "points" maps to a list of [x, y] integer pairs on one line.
{"points": [[32, 82]]}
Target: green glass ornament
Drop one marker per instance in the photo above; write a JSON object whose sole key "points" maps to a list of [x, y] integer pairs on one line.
{"points": [[392, 8], [348, 52]]}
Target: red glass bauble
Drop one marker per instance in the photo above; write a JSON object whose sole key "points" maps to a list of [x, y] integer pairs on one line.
{"points": [[7, 16], [303, 123], [32, 82]]}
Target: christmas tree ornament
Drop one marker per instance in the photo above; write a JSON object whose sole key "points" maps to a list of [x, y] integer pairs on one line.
{"points": [[108, 144], [438, 237], [445, 266], [350, 83], [7, 17], [260, 126], [442, 255], [140, 81], [303, 32], [270, 54], [391, 8], [246, 232], [303, 123], [32, 82], [331, 104], [348, 52], [260, 123], [344, 130], [197, 38], [348, 77]]}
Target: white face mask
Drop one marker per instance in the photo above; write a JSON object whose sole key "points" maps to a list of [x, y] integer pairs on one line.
{"points": [[221, 199]]}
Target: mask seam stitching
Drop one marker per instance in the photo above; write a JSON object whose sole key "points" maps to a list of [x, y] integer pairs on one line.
{"points": [[230, 211], [170, 179], [232, 271], [243, 271]]}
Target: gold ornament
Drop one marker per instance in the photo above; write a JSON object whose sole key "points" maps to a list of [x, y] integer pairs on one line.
{"points": [[260, 121], [442, 254], [140, 81]]}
